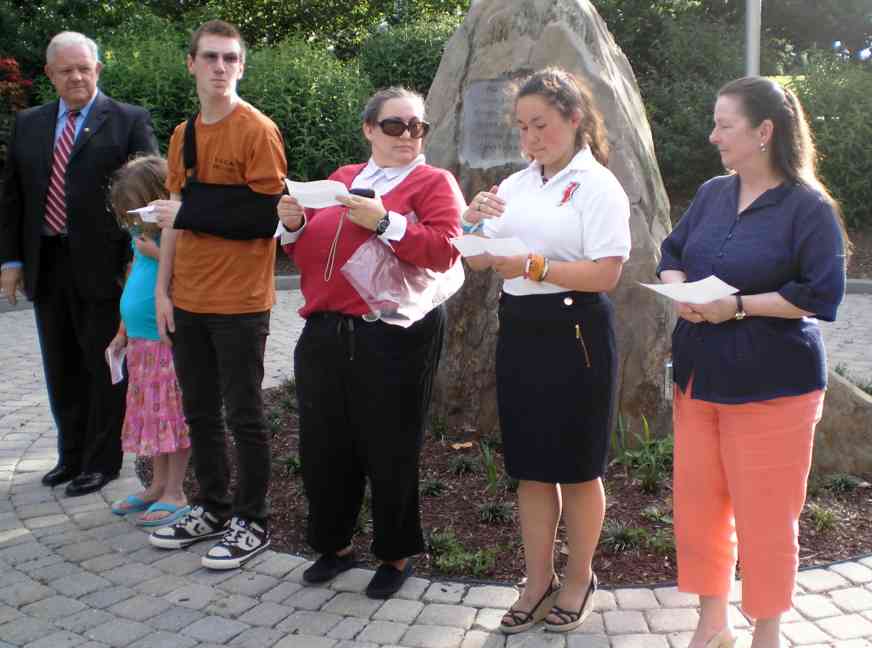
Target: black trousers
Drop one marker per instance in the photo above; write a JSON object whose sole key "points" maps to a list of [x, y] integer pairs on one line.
{"points": [[219, 364], [73, 335], [364, 391]]}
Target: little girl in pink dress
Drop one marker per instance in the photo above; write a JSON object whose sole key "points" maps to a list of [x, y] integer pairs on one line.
{"points": [[154, 425]]}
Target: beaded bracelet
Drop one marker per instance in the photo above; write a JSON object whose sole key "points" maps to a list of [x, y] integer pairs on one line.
{"points": [[534, 268], [469, 228]]}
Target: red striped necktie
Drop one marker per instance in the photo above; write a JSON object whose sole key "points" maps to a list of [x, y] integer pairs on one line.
{"points": [[56, 200]]}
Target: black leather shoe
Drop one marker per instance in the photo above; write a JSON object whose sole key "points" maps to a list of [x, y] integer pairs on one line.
{"points": [[59, 474], [388, 580], [89, 483], [328, 566]]}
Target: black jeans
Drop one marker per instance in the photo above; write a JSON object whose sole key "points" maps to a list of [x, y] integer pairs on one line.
{"points": [[364, 391], [219, 364]]}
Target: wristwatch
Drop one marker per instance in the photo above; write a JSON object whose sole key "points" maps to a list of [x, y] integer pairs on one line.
{"points": [[382, 226], [740, 309]]}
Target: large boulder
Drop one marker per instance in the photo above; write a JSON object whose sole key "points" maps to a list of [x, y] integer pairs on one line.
{"points": [[471, 106], [843, 438]]}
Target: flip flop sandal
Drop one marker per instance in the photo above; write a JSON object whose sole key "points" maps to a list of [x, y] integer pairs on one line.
{"points": [[130, 504], [175, 512]]}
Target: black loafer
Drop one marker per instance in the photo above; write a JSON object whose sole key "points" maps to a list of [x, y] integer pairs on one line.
{"points": [[328, 567], [88, 483], [59, 474], [388, 580]]}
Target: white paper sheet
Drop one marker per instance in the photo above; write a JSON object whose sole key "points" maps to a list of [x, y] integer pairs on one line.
{"points": [[116, 364], [695, 292], [317, 194], [146, 214], [470, 246]]}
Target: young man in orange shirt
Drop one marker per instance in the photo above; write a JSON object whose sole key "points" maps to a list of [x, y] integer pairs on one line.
{"points": [[214, 293]]}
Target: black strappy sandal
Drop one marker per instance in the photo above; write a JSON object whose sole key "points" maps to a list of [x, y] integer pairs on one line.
{"points": [[570, 619], [522, 620]]}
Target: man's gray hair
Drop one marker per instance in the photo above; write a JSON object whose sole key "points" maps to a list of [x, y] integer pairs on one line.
{"points": [[67, 38]]}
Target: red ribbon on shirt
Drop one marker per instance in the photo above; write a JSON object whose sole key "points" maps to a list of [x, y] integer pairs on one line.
{"points": [[567, 193]]}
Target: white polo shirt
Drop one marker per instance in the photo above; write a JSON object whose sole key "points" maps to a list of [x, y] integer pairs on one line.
{"points": [[582, 213]]}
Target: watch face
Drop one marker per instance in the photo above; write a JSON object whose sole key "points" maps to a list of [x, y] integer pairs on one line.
{"points": [[382, 226]]}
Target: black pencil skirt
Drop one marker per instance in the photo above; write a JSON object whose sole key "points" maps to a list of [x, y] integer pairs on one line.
{"points": [[556, 367]]}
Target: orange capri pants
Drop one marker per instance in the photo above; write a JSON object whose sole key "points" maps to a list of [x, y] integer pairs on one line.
{"points": [[739, 483]]}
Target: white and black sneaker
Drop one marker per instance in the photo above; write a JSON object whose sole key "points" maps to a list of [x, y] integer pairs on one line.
{"points": [[242, 540], [197, 525]]}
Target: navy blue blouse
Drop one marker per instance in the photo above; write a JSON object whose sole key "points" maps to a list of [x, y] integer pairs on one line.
{"points": [[787, 241]]}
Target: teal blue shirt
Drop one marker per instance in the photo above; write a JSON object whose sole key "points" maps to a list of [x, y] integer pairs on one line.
{"points": [[137, 300]]}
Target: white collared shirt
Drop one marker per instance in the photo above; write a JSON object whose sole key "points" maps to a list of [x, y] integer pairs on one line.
{"points": [[582, 213], [381, 180]]}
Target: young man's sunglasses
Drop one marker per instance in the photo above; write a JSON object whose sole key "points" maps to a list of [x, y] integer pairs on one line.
{"points": [[394, 126]]}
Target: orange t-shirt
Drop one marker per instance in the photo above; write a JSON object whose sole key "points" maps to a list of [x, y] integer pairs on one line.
{"points": [[213, 274]]}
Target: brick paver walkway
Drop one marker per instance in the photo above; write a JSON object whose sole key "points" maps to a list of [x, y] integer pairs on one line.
{"points": [[72, 574]]}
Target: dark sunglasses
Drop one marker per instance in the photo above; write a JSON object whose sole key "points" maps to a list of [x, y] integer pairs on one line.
{"points": [[394, 126], [231, 58]]}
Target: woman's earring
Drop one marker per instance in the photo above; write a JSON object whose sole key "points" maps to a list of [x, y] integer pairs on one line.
{"points": [[763, 147]]}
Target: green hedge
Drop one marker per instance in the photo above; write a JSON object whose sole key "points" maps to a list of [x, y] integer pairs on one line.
{"points": [[316, 101], [408, 55], [838, 99]]}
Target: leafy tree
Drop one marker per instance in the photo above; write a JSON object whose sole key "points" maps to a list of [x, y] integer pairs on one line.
{"points": [[342, 24]]}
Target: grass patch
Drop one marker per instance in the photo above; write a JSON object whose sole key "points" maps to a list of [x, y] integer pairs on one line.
{"points": [[451, 557]]}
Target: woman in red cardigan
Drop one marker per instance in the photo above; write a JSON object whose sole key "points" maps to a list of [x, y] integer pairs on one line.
{"points": [[363, 372]]}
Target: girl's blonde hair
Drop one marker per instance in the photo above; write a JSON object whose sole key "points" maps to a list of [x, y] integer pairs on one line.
{"points": [[136, 184]]}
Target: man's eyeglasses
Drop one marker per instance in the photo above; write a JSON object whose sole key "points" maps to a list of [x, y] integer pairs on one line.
{"points": [[230, 58], [394, 126]]}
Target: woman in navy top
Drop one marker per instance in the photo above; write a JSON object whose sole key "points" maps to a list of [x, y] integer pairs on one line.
{"points": [[750, 369]]}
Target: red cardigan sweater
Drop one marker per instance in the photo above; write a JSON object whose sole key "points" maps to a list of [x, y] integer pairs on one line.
{"points": [[431, 194]]}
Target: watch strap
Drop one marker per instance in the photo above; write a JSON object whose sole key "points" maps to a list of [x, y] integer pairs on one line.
{"points": [[740, 308], [382, 226]]}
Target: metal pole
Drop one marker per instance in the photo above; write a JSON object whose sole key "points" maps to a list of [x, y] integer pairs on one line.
{"points": [[753, 14]]}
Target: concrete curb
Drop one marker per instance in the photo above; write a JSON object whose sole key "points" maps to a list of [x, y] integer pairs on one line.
{"points": [[292, 282], [859, 287], [283, 282]]}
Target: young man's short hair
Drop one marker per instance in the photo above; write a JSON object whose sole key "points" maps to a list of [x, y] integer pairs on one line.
{"points": [[216, 28]]}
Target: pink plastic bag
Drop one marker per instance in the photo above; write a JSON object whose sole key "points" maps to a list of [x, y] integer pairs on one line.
{"points": [[396, 291]]}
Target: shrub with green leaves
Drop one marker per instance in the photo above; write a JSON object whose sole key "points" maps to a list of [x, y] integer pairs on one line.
{"points": [[316, 102], [451, 557], [464, 464], [407, 55], [649, 460], [662, 542], [837, 96], [822, 518], [496, 512], [433, 487], [618, 537]]}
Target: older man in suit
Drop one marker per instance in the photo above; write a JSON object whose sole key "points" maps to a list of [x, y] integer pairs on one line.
{"points": [[60, 242]]}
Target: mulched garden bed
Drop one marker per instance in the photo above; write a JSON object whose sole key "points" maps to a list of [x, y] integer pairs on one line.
{"points": [[470, 512], [458, 492]]}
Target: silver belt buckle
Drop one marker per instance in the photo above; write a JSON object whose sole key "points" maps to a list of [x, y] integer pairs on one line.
{"points": [[371, 317]]}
